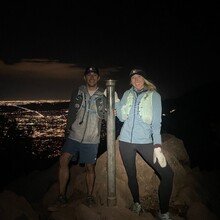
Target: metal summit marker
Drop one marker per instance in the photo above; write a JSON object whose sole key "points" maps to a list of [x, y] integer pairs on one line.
{"points": [[111, 151]]}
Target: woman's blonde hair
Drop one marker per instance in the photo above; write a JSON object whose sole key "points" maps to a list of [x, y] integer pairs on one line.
{"points": [[149, 85]]}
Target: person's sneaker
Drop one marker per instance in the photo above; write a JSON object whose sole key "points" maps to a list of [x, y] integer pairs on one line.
{"points": [[164, 216], [136, 208], [60, 202], [89, 201]]}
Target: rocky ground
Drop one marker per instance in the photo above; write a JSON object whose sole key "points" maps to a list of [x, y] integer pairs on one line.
{"points": [[195, 193]]}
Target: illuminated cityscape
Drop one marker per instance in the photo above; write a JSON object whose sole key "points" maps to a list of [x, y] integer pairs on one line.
{"points": [[44, 127]]}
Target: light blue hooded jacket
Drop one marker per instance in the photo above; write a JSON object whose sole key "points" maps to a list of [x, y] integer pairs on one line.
{"points": [[142, 116]]}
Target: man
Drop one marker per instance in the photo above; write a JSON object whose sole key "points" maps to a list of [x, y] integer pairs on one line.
{"points": [[87, 109]]}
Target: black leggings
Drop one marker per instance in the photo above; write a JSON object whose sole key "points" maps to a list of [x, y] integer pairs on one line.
{"points": [[128, 154]]}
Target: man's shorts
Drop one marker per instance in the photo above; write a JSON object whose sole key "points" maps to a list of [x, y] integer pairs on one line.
{"points": [[84, 153]]}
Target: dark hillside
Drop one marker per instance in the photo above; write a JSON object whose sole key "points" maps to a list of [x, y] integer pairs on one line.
{"points": [[196, 121]]}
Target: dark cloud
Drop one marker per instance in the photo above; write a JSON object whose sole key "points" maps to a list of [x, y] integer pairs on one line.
{"points": [[176, 43]]}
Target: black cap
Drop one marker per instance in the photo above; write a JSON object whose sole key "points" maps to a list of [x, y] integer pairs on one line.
{"points": [[139, 72], [91, 70]]}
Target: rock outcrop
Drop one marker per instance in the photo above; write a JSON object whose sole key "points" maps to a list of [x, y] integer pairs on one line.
{"points": [[190, 198]]}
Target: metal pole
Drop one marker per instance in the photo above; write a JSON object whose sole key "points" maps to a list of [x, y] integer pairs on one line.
{"points": [[111, 165]]}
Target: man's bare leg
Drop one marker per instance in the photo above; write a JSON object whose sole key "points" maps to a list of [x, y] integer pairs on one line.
{"points": [[64, 172]]}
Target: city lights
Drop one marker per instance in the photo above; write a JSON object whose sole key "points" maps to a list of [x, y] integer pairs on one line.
{"points": [[44, 127]]}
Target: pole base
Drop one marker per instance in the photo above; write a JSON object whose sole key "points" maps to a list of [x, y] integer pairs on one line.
{"points": [[112, 201]]}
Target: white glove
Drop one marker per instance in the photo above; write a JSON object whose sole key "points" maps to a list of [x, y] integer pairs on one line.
{"points": [[158, 155], [116, 96]]}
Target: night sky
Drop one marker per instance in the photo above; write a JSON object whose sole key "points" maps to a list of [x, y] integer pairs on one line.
{"points": [[45, 47]]}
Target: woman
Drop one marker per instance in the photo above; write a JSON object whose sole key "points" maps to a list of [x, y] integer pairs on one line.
{"points": [[140, 111]]}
